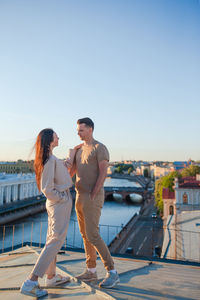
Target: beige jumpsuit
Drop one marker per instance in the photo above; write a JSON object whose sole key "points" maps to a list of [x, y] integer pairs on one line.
{"points": [[55, 184]]}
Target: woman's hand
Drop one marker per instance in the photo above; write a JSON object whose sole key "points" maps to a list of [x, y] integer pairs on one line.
{"points": [[78, 146]]}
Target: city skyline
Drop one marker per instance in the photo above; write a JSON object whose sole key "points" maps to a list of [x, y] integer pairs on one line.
{"points": [[132, 66]]}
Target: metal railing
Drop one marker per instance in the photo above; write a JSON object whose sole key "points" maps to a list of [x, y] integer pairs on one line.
{"points": [[34, 233], [148, 242]]}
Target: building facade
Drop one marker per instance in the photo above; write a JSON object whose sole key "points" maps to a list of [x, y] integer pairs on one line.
{"points": [[185, 197], [19, 166], [16, 187]]}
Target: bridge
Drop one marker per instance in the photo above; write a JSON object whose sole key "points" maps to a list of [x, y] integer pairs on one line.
{"points": [[144, 182], [125, 191]]}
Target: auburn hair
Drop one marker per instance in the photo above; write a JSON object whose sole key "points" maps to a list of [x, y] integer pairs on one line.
{"points": [[42, 152]]}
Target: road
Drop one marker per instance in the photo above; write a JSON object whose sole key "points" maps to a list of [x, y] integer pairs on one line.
{"points": [[144, 235], [149, 236]]}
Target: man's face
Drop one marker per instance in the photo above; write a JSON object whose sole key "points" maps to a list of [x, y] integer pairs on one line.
{"points": [[84, 131]]}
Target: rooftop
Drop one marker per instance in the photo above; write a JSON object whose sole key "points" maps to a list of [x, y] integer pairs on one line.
{"points": [[189, 182], [167, 194], [139, 279]]}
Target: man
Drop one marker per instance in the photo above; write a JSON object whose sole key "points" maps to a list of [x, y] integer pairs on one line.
{"points": [[90, 166]]}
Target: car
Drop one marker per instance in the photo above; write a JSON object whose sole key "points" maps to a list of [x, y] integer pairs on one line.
{"points": [[129, 250], [154, 215], [157, 251]]}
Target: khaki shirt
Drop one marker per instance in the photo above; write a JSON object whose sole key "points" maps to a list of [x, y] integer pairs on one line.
{"points": [[87, 165]]}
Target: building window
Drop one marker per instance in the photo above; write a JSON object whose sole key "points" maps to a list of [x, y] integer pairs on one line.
{"points": [[171, 210], [185, 198]]}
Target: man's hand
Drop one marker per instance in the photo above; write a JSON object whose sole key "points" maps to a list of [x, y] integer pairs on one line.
{"points": [[92, 196], [78, 146], [103, 165]]}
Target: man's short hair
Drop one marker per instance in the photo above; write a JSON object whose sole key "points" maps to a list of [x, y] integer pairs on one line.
{"points": [[87, 121]]}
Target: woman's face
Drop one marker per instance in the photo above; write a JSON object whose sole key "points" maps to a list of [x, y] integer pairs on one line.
{"points": [[55, 141]]}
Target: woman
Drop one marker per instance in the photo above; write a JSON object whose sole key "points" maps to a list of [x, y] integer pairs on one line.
{"points": [[54, 181]]}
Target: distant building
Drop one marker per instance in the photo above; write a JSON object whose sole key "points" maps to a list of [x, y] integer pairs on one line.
{"points": [[160, 171], [19, 166], [178, 165], [16, 187], [128, 162], [140, 169], [110, 170]]}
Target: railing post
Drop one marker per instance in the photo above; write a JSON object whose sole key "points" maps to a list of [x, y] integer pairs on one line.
{"points": [[31, 233], [4, 229], [13, 236], [108, 234], [74, 233], [199, 247], [22, 234], [40, 234]]}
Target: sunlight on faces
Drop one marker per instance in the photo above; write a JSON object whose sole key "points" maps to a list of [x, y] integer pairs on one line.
{"points": [[55, 141], [84, 132]]}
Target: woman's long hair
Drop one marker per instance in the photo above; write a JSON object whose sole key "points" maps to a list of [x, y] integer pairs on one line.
{"points": [[42, 152]]}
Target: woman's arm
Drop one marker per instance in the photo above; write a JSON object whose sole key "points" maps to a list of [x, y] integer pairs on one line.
{"points": [[70, 158], [69, 162], [47, 182]]}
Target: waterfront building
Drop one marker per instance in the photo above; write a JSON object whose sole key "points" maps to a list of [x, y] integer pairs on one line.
{"points": [[181, 212], [16, 187], [19, 166]]}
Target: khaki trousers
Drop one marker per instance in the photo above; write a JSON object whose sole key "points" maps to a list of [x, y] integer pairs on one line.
{"points": [[88, 215], [58, 221]]}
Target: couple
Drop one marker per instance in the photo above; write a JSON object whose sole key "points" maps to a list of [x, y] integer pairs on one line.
{"points": [[89, 162]]}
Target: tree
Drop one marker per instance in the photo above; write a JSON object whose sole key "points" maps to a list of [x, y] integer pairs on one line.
{"points": [[146, 173], [190, 171], [119, 170], [164, 182], [130, 170], [168, 180], [158, 195]]}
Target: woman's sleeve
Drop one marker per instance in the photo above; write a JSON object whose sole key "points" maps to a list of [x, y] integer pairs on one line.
{"points": [[47, 182], [70, 158]]}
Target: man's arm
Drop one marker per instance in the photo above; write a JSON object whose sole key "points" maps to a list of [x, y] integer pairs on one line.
{"points": [[103, 165], [72, 170]]}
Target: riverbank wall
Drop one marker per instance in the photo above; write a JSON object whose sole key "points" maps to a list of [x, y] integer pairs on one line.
{"points": [[17, 210], [23, 208]]}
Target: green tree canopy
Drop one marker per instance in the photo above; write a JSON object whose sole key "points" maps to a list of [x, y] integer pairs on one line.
{"points": [[146, 173], [190, 171], [130, 170]]}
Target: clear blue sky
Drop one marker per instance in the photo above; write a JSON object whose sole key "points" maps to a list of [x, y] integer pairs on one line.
{"points": [[132, 66]]}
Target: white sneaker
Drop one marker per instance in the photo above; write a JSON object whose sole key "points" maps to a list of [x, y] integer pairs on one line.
{"points": [[110, 281], [32, 290], [56, 280]]}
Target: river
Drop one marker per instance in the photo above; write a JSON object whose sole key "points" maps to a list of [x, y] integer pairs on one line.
{"points": [[33, 228]]}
